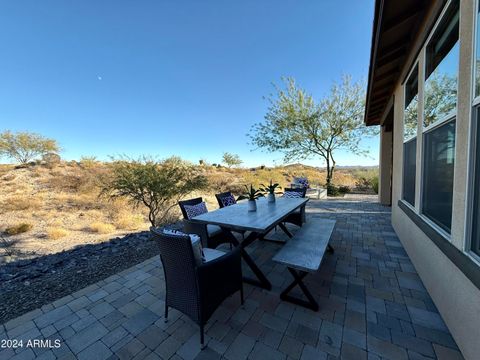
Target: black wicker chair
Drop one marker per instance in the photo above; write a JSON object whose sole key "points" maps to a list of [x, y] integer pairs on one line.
{"points": [[222, 203], [212, 235], [298, 216], [221, 198], [197, 290]]}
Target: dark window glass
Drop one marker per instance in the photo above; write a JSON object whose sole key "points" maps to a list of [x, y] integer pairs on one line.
{"points": [[441, 68], [476, 195], [411, 106], [438, 174], [409, 169], [477, 67]]}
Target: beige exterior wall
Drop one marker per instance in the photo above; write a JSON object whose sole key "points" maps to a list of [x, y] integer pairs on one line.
{"points": [[456, 297]]}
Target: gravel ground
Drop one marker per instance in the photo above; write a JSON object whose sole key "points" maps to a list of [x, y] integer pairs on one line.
{"points": [[30, 284]]}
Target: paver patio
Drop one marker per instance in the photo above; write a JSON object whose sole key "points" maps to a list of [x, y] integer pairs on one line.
{"points": [[372, 303]]}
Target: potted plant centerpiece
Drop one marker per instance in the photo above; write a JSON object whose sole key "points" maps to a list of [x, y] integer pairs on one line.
{"points": [[270, 190], [252, 195]]}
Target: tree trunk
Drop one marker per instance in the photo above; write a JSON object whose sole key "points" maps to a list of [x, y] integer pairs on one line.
{"points": [[332, 169], [328, 170]]}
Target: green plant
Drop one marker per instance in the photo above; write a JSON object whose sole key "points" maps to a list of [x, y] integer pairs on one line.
{"points": [[363, 183], [251, 193], [302, 127], [25, 146], [18, 229], [231, 159], [157, 185], [374, 182], [332, 190], [343, 189], [270, 188]]}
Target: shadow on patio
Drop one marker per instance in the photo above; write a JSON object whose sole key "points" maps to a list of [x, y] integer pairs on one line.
{"points": [[372, 305]]}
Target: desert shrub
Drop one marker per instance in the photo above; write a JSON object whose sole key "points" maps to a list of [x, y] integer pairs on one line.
{"points": [[157, 185], [18, 229], [24, 147], [77, 180], [88, 162], [374, 182], [101, 227], [20, 203], [51, 159], [56, 232], [363, 183], [9, 177], [332, 190], [127, 221], [343, 189]]}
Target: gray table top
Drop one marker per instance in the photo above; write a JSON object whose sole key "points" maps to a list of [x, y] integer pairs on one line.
{"points": [[237, 217]]}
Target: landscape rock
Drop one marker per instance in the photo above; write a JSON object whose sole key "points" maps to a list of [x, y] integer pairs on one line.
{"points": [[43, 280]]}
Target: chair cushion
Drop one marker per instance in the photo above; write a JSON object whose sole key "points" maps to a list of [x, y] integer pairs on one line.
{"points": [[197, 248], [292, 194], [213, 230], [228, 200], [195, 210], [212, 254]]}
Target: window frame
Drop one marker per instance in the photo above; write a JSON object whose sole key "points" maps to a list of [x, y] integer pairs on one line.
{"points": [[414, 67], [451, 116], [474, 146], [476, 16], [472, 174]]}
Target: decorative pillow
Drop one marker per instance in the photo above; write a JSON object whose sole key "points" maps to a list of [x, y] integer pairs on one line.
{"points": [[196, 244], [195, 210], [302, 181], [228, 200], [292, 194]]}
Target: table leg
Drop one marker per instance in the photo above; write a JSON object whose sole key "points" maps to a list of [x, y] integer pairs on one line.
{"points": [[261, 279], [285, 230], [298, 276]]}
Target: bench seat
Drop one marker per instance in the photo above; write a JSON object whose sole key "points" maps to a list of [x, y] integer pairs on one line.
{"points": [[306, 249], [303, 254]]}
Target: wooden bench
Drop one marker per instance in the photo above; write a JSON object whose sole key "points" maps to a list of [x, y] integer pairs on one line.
{"points": [[303, 254]]}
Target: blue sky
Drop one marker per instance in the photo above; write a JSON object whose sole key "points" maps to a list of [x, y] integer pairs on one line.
{"points": [[170, 77]]}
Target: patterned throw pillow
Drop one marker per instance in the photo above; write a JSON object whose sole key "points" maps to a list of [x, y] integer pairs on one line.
{"points": [[292, 194], [301, 182], [228, 200], [196, 244], [195, 210]]}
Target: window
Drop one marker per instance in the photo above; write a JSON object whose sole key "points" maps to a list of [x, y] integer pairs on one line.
{"points": [[477, 59], [441, 68], [439, 158], [475, 235], [440, 102], [410, 137], [409, 169], [476, 195]]}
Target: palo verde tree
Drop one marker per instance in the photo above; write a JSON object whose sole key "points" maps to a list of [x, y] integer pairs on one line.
{"points": [[157, 185], [24, 147], [303, 128], [231, 159]]}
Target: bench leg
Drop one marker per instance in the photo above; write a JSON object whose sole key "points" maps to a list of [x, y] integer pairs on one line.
{"points": [[298, 277]]}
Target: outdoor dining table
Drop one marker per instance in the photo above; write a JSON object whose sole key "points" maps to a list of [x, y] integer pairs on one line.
{"points": [[258, 223]]}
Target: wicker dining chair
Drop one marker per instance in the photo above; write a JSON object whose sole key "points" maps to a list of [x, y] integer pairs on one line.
{"points": [[212, 235], [225, 199], [298, 216], [196, 290]]}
